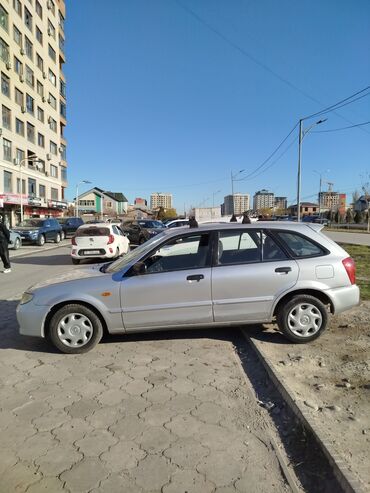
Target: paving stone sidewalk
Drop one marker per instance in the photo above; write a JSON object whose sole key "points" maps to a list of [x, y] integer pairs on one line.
{"points": [[164, 413]]}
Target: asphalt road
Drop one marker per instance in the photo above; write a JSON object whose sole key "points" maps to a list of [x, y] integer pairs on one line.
{"points": [[353, 238]]}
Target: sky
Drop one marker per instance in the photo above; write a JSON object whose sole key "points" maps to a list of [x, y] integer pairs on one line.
{"points": [[175, 95]]}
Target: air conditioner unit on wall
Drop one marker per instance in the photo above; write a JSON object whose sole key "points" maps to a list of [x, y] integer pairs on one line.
{"points": [[22, 51], [48, 157], [21, 78], [8, 65], [43, 99], [23, 109], [44, 75]]}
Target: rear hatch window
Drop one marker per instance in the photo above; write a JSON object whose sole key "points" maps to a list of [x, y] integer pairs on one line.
{"points": [[93, 231]]}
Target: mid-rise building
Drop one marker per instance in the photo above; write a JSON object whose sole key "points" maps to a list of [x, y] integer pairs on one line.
{"points": [[160, 199], [140, 203], [332, 201], [263, 199], [281, 203], [98, 201], [236, 204], [306, 209], [33, 163]]}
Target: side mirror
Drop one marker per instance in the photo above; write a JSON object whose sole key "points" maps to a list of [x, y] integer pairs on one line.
{"points": [[139, 268]]}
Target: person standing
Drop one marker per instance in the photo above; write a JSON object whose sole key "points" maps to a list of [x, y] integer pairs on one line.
{"points": [[233, 219], [4, 249], [246, 219], [193, 223]]}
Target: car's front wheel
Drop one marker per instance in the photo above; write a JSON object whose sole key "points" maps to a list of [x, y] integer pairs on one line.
{"points": [[57, 238], [17, 244], [302, 319], [75, 328]]}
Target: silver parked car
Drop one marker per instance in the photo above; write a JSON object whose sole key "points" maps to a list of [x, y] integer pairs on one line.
{"points": [[214, 275], [15, 240]]}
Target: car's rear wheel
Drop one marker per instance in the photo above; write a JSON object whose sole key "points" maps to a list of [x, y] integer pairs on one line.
{"points": [[41, 240], [302, 319], [57, 238], [75, 261], [62, 235], [17, 244], [75, 329]]}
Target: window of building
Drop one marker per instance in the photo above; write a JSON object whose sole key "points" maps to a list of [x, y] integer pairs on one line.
{"points": [[52, 78], [61, 43], [38, 9], [51, 29], [19, 127], [8, 186], [40, 114], [62, 87], [4, 51], [39, 62], [54, 194], [30, 78], [18, 97], [52, 124], [54, 171], [40, 140], [39, 35], [18, 66], [30, 104], [5, 85], [52, 101], [4, 19], [28, 18], [32, 187], [63, 110], [42, 191], [51, 6], [40, 89], [63, 173], [30, 132], [19, 186], [17, 7], [7, 150], [63, 152], [52, 53], [87, 203], [17, 36], [19, 156], [53, 148], [61, 21], [7, 117], [28, 47]]}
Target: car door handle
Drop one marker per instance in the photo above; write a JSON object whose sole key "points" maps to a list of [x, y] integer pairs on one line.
{"points": [[196, 277], [283, 270]]}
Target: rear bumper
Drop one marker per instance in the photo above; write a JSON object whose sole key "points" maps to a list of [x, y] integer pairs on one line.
{"points": [[344, 298]]}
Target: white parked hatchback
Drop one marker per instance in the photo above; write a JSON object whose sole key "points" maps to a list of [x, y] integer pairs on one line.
{"points": [[100, 240]]}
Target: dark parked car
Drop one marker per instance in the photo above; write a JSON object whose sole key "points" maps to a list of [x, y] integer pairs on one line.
{"points": [[39, 231], [69, 225], [140, 231]]}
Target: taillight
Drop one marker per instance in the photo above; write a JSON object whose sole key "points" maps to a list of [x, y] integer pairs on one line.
{"points": [[350, 266], [74, 241], [110, 239]]}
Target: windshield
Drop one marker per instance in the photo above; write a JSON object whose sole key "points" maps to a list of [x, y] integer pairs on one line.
{"points": [[151, 224], [134, 254], [93, 231], [31, 223]]}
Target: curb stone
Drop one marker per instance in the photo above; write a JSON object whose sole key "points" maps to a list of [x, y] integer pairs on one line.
{"points": [[346, 478]]}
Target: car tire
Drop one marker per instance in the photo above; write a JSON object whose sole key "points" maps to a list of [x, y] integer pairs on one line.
{"points": [[41, 240], [75, 329], [17, 244], [62, 235], [302, 319], [57, 238], [75, 261]]}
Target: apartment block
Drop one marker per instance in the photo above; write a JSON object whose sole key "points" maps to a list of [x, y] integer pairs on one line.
{"points": [[332, 201], [160, 199], [33, 162], [236, 204], [280, 203], [263, 199]]}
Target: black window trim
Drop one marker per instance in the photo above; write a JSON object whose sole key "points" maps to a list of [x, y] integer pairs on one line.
{"points": [[275, 234]]}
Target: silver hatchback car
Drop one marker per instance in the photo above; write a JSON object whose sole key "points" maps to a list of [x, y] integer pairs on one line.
{"points": [[213, 275]]}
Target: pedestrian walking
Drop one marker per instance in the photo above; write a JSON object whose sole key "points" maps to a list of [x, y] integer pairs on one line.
{"points": [[246, 219], [193, 223], [233, 219], [4, 249]]}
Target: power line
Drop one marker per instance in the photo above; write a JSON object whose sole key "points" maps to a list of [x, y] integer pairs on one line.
{"points": [[337, 129]]}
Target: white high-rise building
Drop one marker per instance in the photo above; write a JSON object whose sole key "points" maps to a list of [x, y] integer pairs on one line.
{"points": [[160, 199], [263, 199], [236, 204]]}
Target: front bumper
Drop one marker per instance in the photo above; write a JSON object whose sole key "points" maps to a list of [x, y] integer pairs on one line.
{"points": [[344, 298], [31, 319]]}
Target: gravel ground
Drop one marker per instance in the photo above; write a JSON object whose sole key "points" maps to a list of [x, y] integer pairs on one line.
{"points": [[331, 377]]}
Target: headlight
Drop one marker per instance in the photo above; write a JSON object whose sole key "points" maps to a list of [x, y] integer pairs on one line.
{"points": [[26, 298], [33, 233]]}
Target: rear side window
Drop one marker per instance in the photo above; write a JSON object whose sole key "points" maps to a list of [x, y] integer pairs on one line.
{"points": [[300, 246], [93, 231], [239, 247]]}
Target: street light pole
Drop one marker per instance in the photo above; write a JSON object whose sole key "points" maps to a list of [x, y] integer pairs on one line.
{"points": [[78, 184], [302, 134], [213, 197]]}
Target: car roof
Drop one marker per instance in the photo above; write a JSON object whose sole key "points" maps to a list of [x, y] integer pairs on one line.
{"points": [[95, 225]]}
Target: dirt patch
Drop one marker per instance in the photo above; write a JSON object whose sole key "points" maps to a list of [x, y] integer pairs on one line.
{"points": [[331, 376]]}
